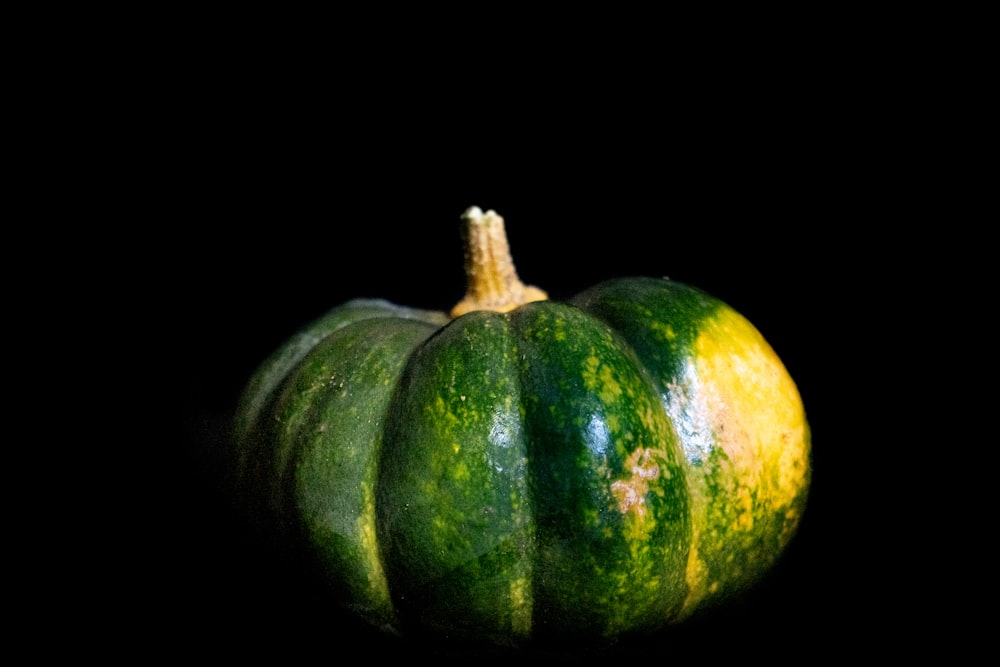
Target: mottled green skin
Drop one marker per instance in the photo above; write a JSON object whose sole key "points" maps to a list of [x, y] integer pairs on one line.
{"points": [[277, 366], [639, 309], [308, 434], [499, 457], [504, 477]]}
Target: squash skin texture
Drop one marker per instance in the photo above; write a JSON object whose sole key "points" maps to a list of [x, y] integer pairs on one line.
{"points": [[579, 471], [740, 419], [308, 434]]}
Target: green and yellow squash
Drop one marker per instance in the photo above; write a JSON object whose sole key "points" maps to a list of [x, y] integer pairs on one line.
{"points": [[525, 470]]}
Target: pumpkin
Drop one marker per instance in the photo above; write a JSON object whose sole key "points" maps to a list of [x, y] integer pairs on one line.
{"points": [[522, 470]]}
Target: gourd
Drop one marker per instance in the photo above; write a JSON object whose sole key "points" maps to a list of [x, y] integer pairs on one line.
{"points": [[523, 470]]}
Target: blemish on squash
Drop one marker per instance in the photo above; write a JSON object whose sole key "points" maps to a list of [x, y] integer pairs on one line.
{"points": [[631, 492]]}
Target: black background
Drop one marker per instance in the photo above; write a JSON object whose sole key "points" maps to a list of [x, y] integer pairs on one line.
{"points": [[195, 187], [270, 203]]}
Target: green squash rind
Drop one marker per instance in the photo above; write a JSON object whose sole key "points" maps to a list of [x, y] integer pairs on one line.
{"points": [[275, 368], [529, 476], [551, 473], [455, 514], [308, 434], [744, 514], [609, 489]]}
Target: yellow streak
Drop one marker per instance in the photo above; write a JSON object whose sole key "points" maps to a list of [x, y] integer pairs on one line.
{"points": [[520, 598], [365, 525]]}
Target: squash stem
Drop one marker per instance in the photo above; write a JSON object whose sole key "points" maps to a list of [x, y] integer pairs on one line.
{"points": [[492, 280]]}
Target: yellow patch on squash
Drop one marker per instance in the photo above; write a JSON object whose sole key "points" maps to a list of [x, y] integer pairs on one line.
{"points": [[600, 378], [365, 525], [696, 576], [754, 408], [738, 397], [520, 602]]}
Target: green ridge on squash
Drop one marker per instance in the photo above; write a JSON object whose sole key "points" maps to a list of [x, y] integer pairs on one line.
{"points": [[456, 524], [610, 501]]}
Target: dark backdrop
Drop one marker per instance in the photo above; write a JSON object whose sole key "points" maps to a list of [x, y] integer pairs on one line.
{"points": [[203, 192], [258, 234]]}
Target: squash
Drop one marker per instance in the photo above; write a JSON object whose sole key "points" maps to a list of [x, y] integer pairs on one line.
{"points": [[523, 470]]}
